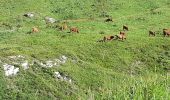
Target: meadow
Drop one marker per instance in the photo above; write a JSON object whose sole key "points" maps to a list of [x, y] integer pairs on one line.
{"points": [[137, 68]]}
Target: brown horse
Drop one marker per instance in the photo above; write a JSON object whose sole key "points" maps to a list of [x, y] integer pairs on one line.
{"points": [[107, 38], [122, 36], [166, 32], [109, 20], [151, 33], [74, 29], [125, 28], [35, 30]]}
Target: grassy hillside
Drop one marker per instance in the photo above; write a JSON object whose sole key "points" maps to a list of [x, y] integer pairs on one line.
{"points": [[137, 68]]}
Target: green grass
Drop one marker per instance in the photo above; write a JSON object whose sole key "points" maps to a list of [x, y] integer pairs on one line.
{"points": [[116, 70]]}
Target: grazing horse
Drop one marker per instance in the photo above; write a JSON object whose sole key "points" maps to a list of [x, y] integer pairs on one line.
{"points": [[122, 33], [121, 36], [151, 33], [74, 29], [166, 32], [35, 30], [107, 38], [125, 28], [109, 20]]}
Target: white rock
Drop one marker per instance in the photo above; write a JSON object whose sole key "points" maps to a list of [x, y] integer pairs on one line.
{"points": [[62, 77], [65, 78], [10, 70], [70, 81], [12, 57], [43, 65], [25, 65], [15, 71], [63, 57], [58, 60], [20, 56], [49, 63], [16, 57], [52, 63], [8, 67], [30, 15], [58, 75], [50, 20]]}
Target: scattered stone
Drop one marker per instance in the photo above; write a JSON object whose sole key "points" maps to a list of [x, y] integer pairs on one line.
{"points": [[57, 60], [47, 64], [19, 60], [63, 59], [29, 15], [16, 57], [57, 75], [63, 77], [25, 65], [54, 62], [50, 20], [50, 63], [10, 70]]}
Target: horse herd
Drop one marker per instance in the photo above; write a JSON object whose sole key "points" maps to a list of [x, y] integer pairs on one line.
{"points": [[166, 32], [62, 27], [120, 36]]}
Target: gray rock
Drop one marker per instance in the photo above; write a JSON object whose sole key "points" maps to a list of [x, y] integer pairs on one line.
{"points": [[62, 77], [10, 70], [50, 20], [25, 65]]}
